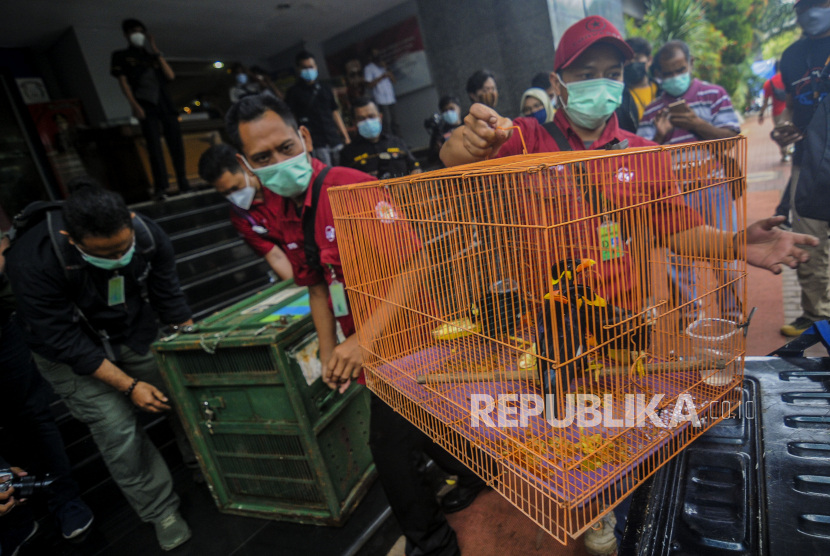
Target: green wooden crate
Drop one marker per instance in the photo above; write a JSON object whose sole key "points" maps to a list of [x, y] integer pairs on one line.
{"points": [[273, 441]]}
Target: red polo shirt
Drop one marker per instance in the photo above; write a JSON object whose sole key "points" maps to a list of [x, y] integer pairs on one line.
{"points": [[623, 181], [255, 225]]}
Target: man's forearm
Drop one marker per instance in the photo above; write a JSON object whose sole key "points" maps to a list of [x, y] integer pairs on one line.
{"points": [[338, 119], [704, 242], [166, 69], [407, 284], [111, 375], [323, 318], [279, 263], [127, 90], [707, 131]]}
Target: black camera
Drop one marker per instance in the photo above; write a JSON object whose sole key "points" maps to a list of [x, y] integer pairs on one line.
{"points": [[24, 487], [433, 123]]}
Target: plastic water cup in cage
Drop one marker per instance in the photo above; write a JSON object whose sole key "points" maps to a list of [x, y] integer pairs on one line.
{"points": [[715, 341]]}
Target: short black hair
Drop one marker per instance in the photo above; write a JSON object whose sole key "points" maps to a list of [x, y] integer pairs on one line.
{"points": [[250, 108], [131, 23], [639, 45], [477, 80], [216, 161], [92, 211], [446, 100], [303, 55], [670, 48], [361, 102], [541, 81]]}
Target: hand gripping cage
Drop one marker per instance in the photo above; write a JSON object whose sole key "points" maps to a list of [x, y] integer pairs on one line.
{"points": [[558, 322]]}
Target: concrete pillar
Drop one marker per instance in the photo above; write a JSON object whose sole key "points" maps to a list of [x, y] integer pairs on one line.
{"points": [[512, 38]]}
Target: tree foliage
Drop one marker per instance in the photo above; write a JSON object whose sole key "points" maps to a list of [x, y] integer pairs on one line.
{"points": [[684, 20], [775, 46], [722, 34]]}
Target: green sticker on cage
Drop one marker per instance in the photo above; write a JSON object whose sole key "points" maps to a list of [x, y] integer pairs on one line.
{"points": [[338, 299], [610, 242]]}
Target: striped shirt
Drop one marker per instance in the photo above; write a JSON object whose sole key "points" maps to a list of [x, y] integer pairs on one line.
{"points": [[710, 102]]}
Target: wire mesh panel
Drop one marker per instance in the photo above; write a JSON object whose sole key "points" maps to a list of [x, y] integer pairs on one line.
{"points": [[562, 323]]}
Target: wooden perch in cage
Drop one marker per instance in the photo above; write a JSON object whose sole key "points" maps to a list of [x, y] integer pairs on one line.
{"points": [[495, 376], [532, 375], [668, 367]]}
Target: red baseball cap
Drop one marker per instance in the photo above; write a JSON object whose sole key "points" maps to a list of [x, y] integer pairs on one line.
{"points": [[584, 33]]}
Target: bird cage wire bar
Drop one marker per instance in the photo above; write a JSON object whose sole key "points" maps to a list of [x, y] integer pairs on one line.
{"points": [[546, 276]]}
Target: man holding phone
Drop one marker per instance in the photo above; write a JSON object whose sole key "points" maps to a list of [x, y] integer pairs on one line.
{"points": [[143, 74], [691, 110]]}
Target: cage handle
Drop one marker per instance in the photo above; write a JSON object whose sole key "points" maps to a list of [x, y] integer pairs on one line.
{"points": [[521, 136]]}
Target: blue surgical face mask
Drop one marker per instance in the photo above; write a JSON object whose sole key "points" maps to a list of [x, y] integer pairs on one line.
{"points": [[450, 116], [541, 115], [309, 74], [370, 128], [678, 85], [243, 198], [815, 21], [109, 264], [288, 178], [241, 78], [591, 102]]}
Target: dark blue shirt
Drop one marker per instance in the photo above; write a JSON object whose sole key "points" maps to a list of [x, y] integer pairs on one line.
{"points": [[798, 62]]}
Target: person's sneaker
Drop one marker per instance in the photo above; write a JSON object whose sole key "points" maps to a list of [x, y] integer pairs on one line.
{"points": [[12, 541], [172, 531], [74, 518], [797, 327], [600, 539]]}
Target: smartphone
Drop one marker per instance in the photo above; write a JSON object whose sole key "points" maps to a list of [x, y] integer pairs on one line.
{"points": [[678, 107]]}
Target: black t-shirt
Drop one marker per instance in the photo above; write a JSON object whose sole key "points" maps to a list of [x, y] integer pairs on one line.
{"points": [[143, 73], [313, 106], [797, 63], [388, 158]]}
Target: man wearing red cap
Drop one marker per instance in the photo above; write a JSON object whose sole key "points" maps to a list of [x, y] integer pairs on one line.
{"points": [[588, 78]]}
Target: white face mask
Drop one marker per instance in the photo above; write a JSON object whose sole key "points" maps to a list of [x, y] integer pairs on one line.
{"points": [[138, 39], [244, 197]]}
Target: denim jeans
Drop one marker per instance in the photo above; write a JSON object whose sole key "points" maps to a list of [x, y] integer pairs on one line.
{"points": [[718, 209]]}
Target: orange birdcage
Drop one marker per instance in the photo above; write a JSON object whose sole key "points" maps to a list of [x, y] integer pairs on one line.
{"points": [[495, 301]]}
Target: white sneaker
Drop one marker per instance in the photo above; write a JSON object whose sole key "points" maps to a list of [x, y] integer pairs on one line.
{"points": [[600, 539]]}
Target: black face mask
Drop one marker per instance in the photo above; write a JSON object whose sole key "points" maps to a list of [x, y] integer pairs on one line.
{"points": [[633, 73]]}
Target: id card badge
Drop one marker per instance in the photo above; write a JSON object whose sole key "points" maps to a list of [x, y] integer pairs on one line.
{"points": [[115, 290], [338, 299], [610, 242]]}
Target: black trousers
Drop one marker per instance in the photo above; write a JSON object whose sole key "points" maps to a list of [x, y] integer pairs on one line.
{"points": [[160, 118], [27, 419], [396, 444]]}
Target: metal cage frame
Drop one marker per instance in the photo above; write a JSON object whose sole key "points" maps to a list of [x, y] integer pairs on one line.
{"points": [[555, 274]]}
